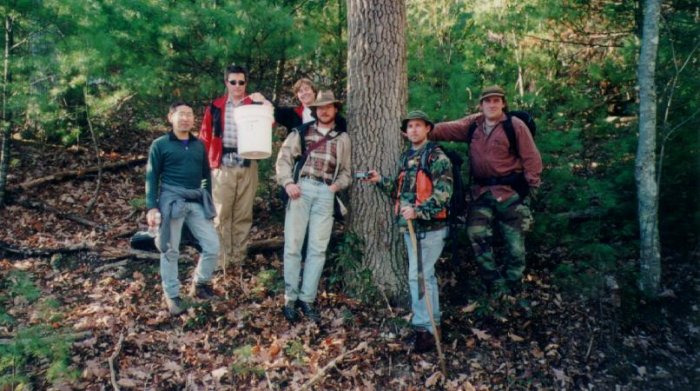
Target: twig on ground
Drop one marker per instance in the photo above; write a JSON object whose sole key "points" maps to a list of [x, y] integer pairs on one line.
{"points": [[111, 361], [322, 372]]}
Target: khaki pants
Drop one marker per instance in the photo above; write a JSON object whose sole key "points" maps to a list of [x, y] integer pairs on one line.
{"points": [[233, 190]]}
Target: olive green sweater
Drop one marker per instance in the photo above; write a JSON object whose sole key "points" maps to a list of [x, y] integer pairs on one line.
{"points": [[176, 163]]}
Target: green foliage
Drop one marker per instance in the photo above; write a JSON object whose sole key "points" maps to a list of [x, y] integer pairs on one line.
{"points": [[268, 280], [30, 346], [244, 364], [20, 284], [347, 271], [295, 350], [138, 203], [33, 344]]}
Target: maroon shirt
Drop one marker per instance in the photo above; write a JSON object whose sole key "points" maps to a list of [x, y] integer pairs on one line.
{"points": [[490, 155]]}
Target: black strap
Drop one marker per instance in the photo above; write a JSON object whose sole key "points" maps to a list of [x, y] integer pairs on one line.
{"points": [[510, 133]]}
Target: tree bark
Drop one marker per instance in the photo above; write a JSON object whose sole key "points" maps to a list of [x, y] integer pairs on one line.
{"points": [[6, 113], [645, 165], [377, 93]]}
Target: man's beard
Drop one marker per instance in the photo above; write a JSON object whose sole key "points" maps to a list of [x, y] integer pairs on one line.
{"points": [[329, 122]]}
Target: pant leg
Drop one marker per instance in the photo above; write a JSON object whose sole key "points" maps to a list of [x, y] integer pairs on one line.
{"points": [[320, 229], [480, 231], [514, 219], [296, 221], [208, 238], [431, 246], [242, 217], [169, 259], [223, 190]]}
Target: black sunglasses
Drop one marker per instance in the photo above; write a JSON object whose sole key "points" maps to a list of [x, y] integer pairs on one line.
{"points": [[239, 82]]}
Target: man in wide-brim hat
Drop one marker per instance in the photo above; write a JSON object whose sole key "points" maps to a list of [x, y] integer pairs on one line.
{"points": [[313, 164]]}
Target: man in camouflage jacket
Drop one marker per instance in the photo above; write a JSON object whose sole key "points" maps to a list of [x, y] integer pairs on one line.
{"points": [[421, 193]]}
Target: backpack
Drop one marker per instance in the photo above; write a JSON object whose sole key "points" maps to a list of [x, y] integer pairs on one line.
{"points": [[516, 180]]}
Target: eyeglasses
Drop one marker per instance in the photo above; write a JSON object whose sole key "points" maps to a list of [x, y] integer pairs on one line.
{"points": [[239, 82]]}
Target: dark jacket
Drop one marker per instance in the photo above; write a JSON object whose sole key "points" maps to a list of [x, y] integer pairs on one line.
{"points": [[289, 117]]}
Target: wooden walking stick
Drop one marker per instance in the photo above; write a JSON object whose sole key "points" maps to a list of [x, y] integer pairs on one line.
{"points": [[423, 288]]}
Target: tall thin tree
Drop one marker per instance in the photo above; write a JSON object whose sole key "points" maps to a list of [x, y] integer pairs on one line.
{"points": [[377, 93], [6, 111], [645, 165]]}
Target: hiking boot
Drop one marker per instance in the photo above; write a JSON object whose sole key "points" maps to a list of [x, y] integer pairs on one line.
{"points": [[175, 305], [309, 311], [290, 313], [424, 341], [202, 291]]}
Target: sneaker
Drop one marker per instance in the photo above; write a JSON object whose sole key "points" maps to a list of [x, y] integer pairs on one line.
{"points": [[424, 341], [175, 305], [309, 311], [202, 291], [290, 313]]}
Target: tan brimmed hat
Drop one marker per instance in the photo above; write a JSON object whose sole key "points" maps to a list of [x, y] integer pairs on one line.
{"points": [[325, 98]]}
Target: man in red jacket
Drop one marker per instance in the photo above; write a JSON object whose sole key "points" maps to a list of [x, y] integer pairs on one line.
{"points": [[234, 179], [496, 171]]}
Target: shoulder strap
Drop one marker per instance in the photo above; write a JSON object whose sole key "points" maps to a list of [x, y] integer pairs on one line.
{"points": [[305, 152], [510, 133], [470, 132]]}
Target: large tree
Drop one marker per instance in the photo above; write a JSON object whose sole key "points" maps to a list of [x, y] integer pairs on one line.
{"points": [[377, 96], [645, 168]]}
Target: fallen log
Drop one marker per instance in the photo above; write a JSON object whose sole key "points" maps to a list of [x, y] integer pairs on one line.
{"points": [[256, 246], [70, 174], [37, 205], [44, 252]]}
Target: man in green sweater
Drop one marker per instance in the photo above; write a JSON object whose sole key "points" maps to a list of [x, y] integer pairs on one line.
{"points": [[178, 191]]}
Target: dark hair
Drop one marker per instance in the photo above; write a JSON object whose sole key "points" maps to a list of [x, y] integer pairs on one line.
{"points": [[233, 68], [176, 104]]}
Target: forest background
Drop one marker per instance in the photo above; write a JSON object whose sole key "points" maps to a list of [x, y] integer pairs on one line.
{"points": [[93, 74]]}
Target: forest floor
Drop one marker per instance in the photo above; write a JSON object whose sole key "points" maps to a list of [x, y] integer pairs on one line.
{"points": [[78, 311]]}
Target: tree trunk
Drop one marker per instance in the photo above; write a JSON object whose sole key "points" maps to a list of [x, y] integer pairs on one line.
{"points": [[6, 112], [377, 92], [645, 165]]}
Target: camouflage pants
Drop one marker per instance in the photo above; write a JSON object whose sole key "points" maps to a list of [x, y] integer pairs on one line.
{"points": [[513, 219]]}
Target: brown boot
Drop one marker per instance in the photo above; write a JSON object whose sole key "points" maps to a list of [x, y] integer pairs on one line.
{"points": [[175, 305], [202, 291], [424, 341]]}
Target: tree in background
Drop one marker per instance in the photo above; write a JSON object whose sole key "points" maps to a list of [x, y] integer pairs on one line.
{"points": [[375, 104], [645, 167]]}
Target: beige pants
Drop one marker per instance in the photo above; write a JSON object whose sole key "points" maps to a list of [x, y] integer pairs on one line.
{"points": [[233, 190]]}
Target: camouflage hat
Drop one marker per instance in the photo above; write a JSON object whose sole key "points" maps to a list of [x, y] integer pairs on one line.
{"points": [[492, 91], [416, 114]]}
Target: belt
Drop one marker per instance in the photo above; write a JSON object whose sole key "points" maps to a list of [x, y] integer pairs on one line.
{"points": [[317, 179], [230, 150]]}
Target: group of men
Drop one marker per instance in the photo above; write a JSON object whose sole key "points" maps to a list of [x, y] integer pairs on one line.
{"points": [[205, 184]]}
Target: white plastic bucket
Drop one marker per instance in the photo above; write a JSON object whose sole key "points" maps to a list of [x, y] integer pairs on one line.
{"points": [[254, 126]]}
